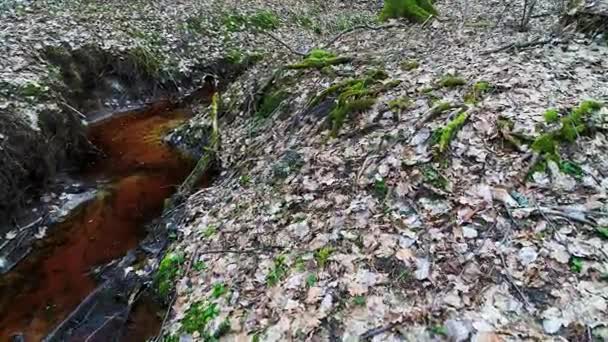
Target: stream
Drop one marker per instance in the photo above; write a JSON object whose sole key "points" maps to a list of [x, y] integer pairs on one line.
{"points": [[128, 188]]}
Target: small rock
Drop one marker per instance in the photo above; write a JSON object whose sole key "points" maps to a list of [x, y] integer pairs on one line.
{"points": [[299, 230], [453, 299], [457, 330], [423, 268], [469, 233], [527, 255], [552, 325]]}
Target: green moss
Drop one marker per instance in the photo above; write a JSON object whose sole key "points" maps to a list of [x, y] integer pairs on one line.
{"points": [[477, 91], [574, 124], [199, 266], [235, 56], [219, 290], [209, 231], [571, 168], [409, 64], [441, 106], [167, 272], [319, 59], [439, 330], [576, 265], [269, 103], [551, 116], [447, 133], [353, 95], [311, 280], [400, 104], [359, 300], [452, 81], [414, 10], [322, 255], [265, 20], [545, 144], [380, 189], [433, 177], [602, 232], [198, 316], [344, 108], [277, 272]]}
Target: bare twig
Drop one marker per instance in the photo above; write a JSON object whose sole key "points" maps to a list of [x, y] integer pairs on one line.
{"points": [[509, 278], [102, 326], [518, 46], [377, 331], [82, 116], [277, 39], [361, 27]]}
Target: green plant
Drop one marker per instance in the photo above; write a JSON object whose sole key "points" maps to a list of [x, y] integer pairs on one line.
{"points": [[409, 64], [574, 124], [576, 264], [551, 116], [414, 10], [235, 21], [311, 280], [245, 180], [545, 144], [269, 104], [199, 266], [440, 107], [400, 104], [571, 168], [602, 231], [33, 89], [319, 59], [170, 338], [452, 81], [433, 177], [439, 330], [147, 60], [198, 316], [477, 91], [359, 300], [277, 272], [235, 56], [380, 189], [353, 95], [571, 127], [445, 135], [264, 20], [168, 270], [219, 290], [209, 231], [322, 255]]}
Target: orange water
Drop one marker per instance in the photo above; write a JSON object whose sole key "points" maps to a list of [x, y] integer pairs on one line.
{"points": [[44, 288]]}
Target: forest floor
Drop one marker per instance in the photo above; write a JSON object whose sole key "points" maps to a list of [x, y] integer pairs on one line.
{"points": [[380, 231], [426, 213]]}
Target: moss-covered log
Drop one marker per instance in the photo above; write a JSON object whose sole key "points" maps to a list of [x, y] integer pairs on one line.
{"points": [[414, 10]]}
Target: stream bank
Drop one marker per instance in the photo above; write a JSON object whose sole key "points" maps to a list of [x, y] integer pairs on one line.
{"points": [[129, 186]]}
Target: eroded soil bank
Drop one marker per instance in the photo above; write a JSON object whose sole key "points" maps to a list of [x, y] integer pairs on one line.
{"points": [[138, 172]]}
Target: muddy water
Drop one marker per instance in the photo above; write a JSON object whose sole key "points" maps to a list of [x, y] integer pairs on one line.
{"points": [[138, 173]]}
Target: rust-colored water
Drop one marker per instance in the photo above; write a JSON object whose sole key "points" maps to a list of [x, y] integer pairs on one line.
{"points": [[43, 289]]}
